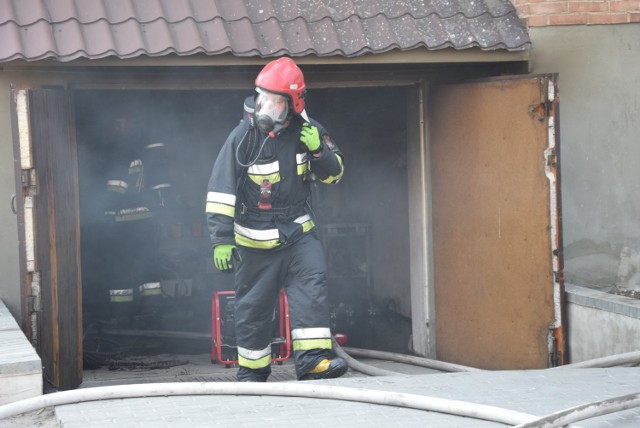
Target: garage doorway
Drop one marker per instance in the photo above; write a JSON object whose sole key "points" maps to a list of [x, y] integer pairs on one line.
{"points": [[387, 269], [147, 271]]}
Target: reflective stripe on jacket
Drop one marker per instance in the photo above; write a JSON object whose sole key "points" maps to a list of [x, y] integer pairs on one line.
{"points": [[233, 194]]}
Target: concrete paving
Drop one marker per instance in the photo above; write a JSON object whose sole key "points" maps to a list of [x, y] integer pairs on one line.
{"points": [[20, 365], [536, 392]]}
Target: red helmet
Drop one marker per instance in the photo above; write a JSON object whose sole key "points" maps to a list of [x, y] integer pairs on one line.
{"points": [[283, 76]]}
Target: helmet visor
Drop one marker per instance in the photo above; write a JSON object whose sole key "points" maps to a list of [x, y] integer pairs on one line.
{"points": [[273, 106]]}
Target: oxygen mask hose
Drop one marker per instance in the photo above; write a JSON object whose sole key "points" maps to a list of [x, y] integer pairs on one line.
{"points": [[251, 162], [277, 129]]}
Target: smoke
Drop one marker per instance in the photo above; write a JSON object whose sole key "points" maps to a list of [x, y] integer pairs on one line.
{"points": [[365, 217], [362, 220], [152, 229]]}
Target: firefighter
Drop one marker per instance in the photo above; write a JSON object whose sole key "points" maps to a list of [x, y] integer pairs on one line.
{"points": [[262, 226]]}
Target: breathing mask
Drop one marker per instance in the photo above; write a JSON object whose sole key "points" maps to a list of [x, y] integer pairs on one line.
{"points": [[271, 110]]}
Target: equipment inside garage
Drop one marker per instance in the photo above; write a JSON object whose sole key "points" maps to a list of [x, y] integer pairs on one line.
{"points": [[147, 268]]}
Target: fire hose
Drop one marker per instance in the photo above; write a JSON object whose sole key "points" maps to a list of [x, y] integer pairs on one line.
{"points": [[408, 359], [626, 359], [305, 390], [556, 419], [584, 411], [370, 396], [357, 365], [419, 402]]}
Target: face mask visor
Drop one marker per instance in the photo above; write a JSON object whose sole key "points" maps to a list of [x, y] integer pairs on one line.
{"points": [[270, 109]]}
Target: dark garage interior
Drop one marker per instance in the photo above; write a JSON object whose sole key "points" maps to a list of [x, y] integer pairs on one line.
{"points": [[144, 160]]}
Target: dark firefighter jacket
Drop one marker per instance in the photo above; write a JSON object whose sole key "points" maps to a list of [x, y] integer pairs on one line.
{"points": [[233, 194]]}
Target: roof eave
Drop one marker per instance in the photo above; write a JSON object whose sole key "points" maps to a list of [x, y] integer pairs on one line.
{"points": [[414, 56]]}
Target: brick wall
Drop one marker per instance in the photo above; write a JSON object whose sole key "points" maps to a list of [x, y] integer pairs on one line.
{"points": [[540, 13]]}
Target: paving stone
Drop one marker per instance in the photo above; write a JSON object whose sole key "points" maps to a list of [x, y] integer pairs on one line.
{"points": [[537, 392]]}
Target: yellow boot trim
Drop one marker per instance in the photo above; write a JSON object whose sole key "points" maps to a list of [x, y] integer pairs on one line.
{"points": [[322, 366]]}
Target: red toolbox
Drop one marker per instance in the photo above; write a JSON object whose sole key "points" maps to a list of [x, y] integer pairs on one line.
{"points": [[223, 339]]}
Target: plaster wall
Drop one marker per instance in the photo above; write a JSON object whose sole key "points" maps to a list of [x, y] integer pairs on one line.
{"points": [[9, 267], [599, 68]]}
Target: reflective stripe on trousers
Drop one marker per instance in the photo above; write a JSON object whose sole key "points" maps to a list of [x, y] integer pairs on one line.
{"points": [[300, 268]]}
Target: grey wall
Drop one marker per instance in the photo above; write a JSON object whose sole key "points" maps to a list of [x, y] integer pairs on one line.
{"points": [[599, 69], [9, 273]]}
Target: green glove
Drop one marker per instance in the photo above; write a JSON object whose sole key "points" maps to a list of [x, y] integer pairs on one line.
{"points": [[310, 137], [222, 257]]}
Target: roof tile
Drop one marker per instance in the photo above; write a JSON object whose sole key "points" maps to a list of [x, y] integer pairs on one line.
{"points": [[255, 10], [91, 11], [37, 39], [69, 29], [187, 36], [95, 42], [214, 36], [297, 35], [204, 10], [10, 39], [23, 12]]}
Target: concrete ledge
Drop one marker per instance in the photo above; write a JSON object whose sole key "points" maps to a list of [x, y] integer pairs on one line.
{"points": [[6, 320], [600, 324], [20, 365], [597, 299]]}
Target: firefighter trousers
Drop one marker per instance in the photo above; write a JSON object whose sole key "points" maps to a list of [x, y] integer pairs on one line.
{"points": [[299, 268]]}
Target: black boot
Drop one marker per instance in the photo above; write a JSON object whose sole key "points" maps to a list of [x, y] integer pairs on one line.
{"points": [[250, 375], [327, 369]]}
